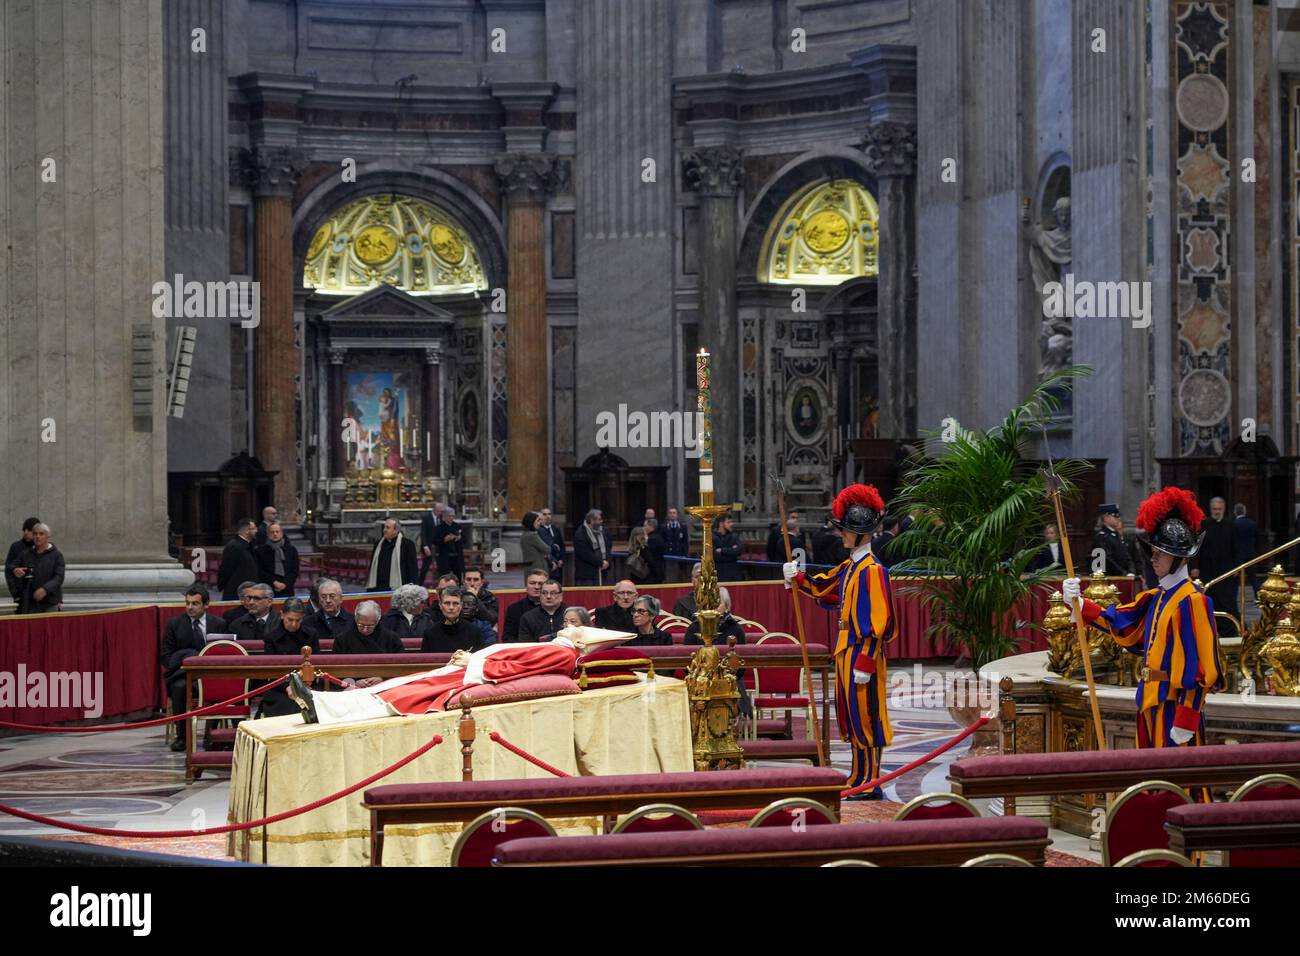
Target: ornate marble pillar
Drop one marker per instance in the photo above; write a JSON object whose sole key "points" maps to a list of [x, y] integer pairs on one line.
{"points": [[433, 410], [334, 415], [891, 153], [714, 172], [272, 172], [527, 178]]}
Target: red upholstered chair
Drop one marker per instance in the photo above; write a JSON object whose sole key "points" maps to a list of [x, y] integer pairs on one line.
{"points": [[1269, 786], [855, 863], [1154, 858], [782, 688], [753, 630], [998, 859], [676, 628], [792, 811], [214, 691], [1136, 821], [937, 806], [658, 818], [478, 841]]}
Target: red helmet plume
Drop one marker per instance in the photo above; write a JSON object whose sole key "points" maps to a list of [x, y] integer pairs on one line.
{"points": [[1170, 502], [865, 495]]}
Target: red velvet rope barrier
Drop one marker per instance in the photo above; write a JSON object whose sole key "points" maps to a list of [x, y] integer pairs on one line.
{"points": [[332, 679], [230, 827], [872, 784], [158, 722], [536, 761]]}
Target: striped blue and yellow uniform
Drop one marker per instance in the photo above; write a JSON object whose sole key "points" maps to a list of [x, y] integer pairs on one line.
{"points": [[1174, 632], [863, 594]]}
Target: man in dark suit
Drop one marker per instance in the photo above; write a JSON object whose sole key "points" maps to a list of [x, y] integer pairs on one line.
{"points": [[428, 525], [449, 631], [332, 619], [231, 615], [828, 549], [553, 537], [675, 534], [261, 616], [16, 563], [449, 544], [798, 539], [515, 612], [1218, 556], [880, 543], [1051, 555], [1245, 542], [184, 636], [618, 615], [238, 563], [365, 636], [592, 548], [392, 562], [270, 516], [277, 562], [656, 551], [288, 637]]}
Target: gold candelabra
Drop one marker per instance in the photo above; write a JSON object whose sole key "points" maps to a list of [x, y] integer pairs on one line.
{"points": [[712, 678]]}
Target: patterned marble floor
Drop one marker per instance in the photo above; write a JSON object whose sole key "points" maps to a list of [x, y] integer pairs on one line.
{"points": [[130, 780]]}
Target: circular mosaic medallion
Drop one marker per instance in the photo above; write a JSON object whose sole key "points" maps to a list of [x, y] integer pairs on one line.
{"points": [[318, 241], [1202, 102], [1204, 397], [826, 231], [446, 243], [375, 245]]}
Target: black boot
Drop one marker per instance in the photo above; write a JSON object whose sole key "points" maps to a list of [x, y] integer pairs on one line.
{"points": [[300, 694]]}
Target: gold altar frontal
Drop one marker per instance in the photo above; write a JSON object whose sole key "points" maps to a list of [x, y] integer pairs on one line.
{"points": [[281, 763]]}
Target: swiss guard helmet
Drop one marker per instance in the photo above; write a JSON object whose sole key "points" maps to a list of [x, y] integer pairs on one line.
{"points": [[1172, 520], [857, 508]]}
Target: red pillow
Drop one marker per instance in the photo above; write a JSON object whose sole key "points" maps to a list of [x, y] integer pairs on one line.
{"points": [[521, 688], [610, 667]]}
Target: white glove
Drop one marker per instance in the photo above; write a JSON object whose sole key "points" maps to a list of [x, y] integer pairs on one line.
{"points": [[1180, 736], [1071, 592], [862, 677], [790, 571]]}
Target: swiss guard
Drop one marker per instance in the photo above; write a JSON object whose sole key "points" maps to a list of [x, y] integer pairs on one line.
{"points": [[1171, 626], [859, 587]]}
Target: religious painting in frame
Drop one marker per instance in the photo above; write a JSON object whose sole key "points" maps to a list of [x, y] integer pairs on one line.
{"points": [[388, 433], [806, 411]]}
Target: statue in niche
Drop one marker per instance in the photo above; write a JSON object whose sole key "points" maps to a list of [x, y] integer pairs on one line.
{"points": [[1049, 260]]}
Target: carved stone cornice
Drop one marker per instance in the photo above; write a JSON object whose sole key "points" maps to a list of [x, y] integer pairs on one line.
{"points": [[890, 149], [713, 170], [531, 177], [268, 170]]}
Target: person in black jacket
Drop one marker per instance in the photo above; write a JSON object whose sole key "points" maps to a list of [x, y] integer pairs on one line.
{"points": [[392, 562], [332, 619], [617, 616], [685, 605], [828, 548], [798, 539], [270, 516], [238, 563], [553, 538], [644, 611], [676, 537], [1050, 555], [44, 573], [515, 612], [261, 618], [428, 525], [592, 548], [726, 550], [365, 636], [1245, 543], [450, 633], [449, 545], [1218, 556], [1110, 538], [287, 637], [184, 636], [15, 561], [231, 615], [408, 615], [656, 551], [541, 623], [487, 608], [277, 562]]}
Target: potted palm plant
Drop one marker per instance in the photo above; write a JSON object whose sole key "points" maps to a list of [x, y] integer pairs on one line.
{"points": [[978, 507]]}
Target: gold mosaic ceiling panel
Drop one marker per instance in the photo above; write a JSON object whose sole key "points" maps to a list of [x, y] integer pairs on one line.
{"points": [[399, 241], [825, 235]]}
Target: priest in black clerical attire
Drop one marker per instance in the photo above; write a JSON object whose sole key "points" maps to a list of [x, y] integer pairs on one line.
{"points": [[392, 562], [365, 636], [1218, 556]]}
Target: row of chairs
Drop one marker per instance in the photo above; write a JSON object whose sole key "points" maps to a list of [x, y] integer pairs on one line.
{"points": [[480, 838]]}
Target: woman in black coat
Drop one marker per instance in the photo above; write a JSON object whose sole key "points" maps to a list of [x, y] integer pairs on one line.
{"points": [[644, 611]]}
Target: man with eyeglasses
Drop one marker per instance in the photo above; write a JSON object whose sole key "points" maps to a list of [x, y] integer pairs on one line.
{"points": [[541, 623], [365, 636], [261, 618], [332, 619], [553, 538], [618, 616]]}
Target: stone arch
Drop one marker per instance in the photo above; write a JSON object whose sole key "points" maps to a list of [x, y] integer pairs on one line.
{"points": [[434, 186], [795, 176]]}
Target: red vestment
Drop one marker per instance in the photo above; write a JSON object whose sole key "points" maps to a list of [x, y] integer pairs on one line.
{"points": [[507, 663]]}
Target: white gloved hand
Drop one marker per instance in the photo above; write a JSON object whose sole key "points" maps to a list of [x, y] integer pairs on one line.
{"points": [[790, 571], [862, 677], [1071, 592], [1180, 736]]}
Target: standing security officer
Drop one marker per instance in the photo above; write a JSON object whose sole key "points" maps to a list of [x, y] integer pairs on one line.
{"points": [[1110, 538]]}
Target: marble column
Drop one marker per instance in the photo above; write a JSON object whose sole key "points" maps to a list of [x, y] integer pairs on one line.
{"points": [[527, 179], [83, 428], [433, 410], [334, 415], [891, 154], [714, 173], [272, 173]]}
